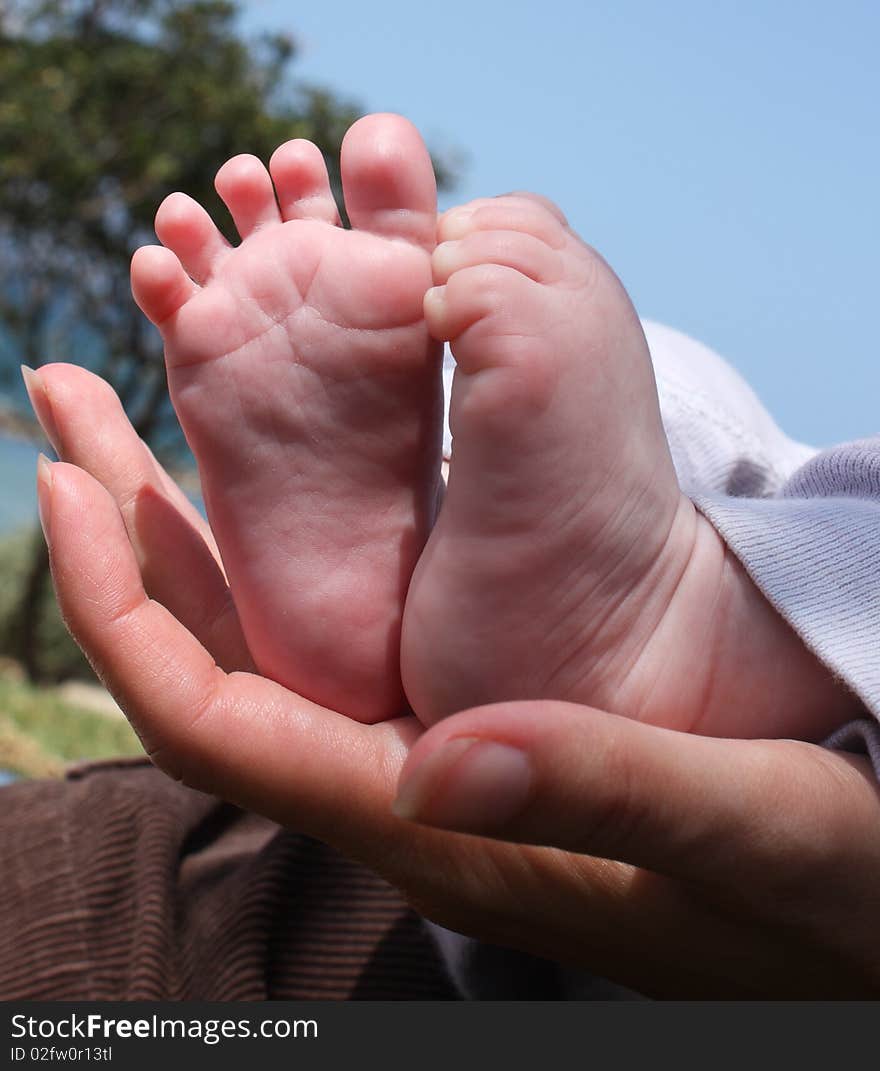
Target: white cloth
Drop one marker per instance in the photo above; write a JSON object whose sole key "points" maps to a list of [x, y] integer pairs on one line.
{"points": [[805, 524]]}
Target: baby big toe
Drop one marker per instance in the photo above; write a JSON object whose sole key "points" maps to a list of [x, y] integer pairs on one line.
{"points": [[388, 180], [478, 295]]}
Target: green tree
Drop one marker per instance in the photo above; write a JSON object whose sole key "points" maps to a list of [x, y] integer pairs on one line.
{"points": [[105, 108]]}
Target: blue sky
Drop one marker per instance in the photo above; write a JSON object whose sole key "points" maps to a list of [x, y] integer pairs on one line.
{"points": [[724, 157]]}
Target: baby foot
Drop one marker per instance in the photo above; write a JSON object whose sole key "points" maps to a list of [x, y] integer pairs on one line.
{"points": [[565, 562], [308, 387]]}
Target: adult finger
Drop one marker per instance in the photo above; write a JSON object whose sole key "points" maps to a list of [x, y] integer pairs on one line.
{"points": [[176, 551], [688, 806], [248, 740], [237, 735]]}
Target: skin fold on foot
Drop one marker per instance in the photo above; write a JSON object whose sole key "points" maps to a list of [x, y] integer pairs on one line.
{"points": [[309, 390], [566, 563]]}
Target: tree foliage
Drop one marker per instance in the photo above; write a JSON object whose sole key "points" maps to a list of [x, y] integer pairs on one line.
{"points": [[106, 106], [104, 109]]}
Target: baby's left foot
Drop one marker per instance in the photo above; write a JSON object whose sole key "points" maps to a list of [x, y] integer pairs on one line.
{"points": [[566, 563], [308, 387]]}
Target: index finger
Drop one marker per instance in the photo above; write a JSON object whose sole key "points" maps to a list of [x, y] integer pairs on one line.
{"points": [[236, 735], [177, 555]]}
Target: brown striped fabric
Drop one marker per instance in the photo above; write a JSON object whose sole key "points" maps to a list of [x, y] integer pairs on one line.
{"points": [[117, 884]]}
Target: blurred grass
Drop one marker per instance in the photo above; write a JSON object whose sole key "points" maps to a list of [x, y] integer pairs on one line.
{"points": [[60, 658], [40, 731]]}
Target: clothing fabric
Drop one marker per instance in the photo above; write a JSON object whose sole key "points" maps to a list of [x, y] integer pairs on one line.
{"points": [[120, 884], [804, 523]]}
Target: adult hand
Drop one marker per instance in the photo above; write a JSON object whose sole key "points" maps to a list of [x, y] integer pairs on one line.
{"points": [[677, 865]]}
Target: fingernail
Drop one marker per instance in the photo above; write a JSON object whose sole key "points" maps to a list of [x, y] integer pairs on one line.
{"points": [[469, 784], [45, 481], [41, 406]]}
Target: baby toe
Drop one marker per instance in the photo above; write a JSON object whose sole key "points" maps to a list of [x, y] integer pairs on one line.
{"points": [[185, 228], [302, 184], [538, 199], [511, 249], [159, 284], [511, 212], [246, 189], [475, 294], [388, 180]]}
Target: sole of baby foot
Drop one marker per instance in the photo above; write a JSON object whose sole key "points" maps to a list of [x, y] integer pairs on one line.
{"points": [[309, 389], [566, 563]]}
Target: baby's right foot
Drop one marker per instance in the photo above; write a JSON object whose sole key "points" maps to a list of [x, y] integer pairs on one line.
{"points": [[566, 563], [308, 387]]}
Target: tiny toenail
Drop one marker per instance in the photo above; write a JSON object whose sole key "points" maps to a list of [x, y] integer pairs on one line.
{"points": [[458, 215], [457, 227], [444, 251]]}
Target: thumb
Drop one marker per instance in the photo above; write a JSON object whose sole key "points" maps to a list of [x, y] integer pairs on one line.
{"points": [[572, 777]]}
